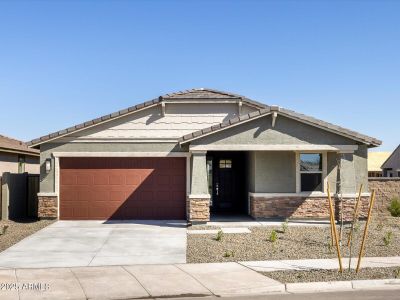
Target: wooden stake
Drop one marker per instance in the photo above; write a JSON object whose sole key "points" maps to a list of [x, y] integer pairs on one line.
{"points": [[333, 225], [371, 205], [355, 215]]}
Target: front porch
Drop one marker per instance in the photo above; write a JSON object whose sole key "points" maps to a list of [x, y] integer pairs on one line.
{"points": [[273, 184]]}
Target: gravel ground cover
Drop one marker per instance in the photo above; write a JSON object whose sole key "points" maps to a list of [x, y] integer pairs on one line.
{"points": [[333, 275], [296, 243], [18, 230]]}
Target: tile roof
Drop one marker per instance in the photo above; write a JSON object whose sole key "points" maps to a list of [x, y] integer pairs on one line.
{"points": [[285, 112], [8, 144], [208, 94], [193, 94]]}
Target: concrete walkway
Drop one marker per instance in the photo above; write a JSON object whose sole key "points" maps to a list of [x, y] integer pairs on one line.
{"points": [[99, 243], [246, 221], [328, 264], [139, 281]]}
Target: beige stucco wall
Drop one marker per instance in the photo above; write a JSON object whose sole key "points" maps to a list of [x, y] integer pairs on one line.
{"points": [[9, 163], [179, 119]]}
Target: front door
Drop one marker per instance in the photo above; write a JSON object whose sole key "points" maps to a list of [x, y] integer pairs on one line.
{"points": [[227, 183]]}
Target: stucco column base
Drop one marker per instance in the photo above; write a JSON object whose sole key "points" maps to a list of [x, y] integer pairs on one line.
{"points": [[198, 208], [47, 207], [297, 207]]}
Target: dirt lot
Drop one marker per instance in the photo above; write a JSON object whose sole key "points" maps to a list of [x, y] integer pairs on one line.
{"points": [[18, 230], [296, 243], [333, 275]]}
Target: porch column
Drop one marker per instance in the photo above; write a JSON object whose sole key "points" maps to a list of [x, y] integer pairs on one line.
{"points": [[198, 202], [347, 175]]}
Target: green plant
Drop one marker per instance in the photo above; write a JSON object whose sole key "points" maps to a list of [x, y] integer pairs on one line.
{"points": [[285, 226], [379, 227], [397, 273], [273, 236], [387, 239], [394, 207], [329, 245], [357, 226], [229, 253], [219, 236], [3, 229]]}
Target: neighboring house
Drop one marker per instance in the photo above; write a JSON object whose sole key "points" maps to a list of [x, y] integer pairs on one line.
{"points": [[391, 167], [375, 161], [196, 152], [17, 157]]}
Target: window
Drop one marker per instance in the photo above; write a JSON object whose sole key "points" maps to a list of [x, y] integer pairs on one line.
{"points": [[21, 163], [310, 172], [225, 163]]}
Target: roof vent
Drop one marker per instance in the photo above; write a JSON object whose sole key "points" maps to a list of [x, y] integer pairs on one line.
{"points": [[274, 107]]}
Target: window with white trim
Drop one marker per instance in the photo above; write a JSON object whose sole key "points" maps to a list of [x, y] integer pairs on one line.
{"points": [[311, 175]]}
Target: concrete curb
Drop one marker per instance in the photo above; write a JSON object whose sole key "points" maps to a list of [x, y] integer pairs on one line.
{"points": [[336, 286]]}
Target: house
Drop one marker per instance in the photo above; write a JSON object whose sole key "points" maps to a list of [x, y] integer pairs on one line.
{"points": [[196, 153], [17, 157], [375, 161], [391, 167]]}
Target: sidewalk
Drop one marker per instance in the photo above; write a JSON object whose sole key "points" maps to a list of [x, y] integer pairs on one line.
{"points": [[139, 281], [179, 280]]}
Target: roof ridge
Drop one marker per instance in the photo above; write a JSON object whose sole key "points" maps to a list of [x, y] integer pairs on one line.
{"points": [[188, 91]]}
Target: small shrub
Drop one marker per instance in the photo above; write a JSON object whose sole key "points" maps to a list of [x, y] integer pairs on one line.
{"points": [[3, 229], [379, 227], [273, 237], [357, 226], [219, 236], [329, 246], [387, 239], [285, 226], [229, 253], [394, 207]]}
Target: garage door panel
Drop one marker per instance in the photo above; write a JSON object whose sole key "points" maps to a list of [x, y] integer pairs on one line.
{"points": [[100, 179], [133, 179], [67, 179], [116, 179], [122, 188], [84, 179]]}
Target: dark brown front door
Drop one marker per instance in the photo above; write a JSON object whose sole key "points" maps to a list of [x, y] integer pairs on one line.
{"points": [[228, 182], [122, 188]]}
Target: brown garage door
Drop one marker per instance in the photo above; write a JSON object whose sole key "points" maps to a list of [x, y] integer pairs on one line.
{"points": [[122, 188]]}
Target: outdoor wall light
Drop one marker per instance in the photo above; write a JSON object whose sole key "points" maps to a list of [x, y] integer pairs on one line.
{"points": [[48, 165]]}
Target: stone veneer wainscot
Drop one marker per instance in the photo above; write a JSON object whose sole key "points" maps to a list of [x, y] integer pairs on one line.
{"points": [[302, 207]]}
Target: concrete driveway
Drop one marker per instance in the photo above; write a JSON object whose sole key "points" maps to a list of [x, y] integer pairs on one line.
{"points": [[99, 243]]}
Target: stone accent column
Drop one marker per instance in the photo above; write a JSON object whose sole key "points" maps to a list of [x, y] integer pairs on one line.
{"points": [[47, 207], [198, 202], [198, 209]]}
